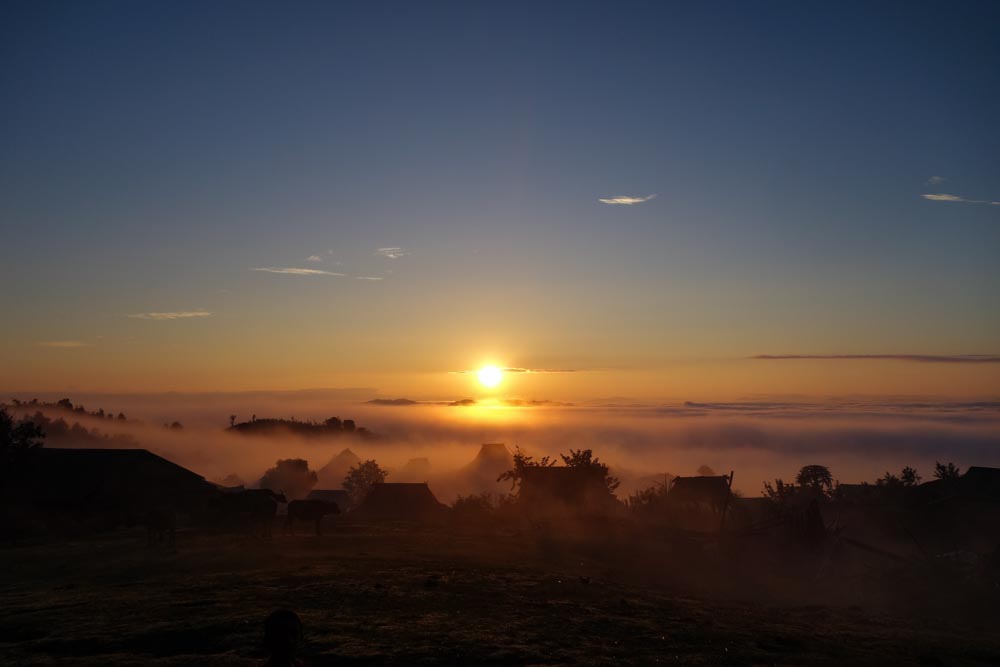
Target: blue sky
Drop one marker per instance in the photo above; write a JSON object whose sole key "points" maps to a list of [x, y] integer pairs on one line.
{"points": [[152, 156]]}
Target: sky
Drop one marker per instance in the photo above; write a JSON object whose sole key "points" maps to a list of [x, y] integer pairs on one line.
{"points": [[625, 199]]}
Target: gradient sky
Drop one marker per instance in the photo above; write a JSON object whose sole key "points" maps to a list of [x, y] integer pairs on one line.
{"points": [[153, 155]]}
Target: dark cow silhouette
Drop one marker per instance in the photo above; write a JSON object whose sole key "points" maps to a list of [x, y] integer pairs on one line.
{"points": [[256, 507], [160, 525], [309, 510]]}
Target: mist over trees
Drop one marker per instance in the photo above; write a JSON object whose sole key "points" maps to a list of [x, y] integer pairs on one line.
{"points": [[331, 427], [291, 477]]}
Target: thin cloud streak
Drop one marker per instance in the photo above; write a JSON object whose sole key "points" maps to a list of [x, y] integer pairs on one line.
{"points": [[627, 201], [293, 271], [956, 198], [314, 258], [917, 358], [63, 344], [392, 253], [181, 315], [935, 180], [530, 371], [369, 278]]}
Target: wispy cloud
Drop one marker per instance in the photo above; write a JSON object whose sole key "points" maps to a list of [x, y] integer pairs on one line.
{"points": [[523, 370], [293, 271], [628, 201], [392, 253], [314, 258], [918, 358], [956, 198], [180, 315], [370, 278], [63, 344], [935, 180]]}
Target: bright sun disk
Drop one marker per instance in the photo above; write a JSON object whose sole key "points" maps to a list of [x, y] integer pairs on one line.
{"points": [[490, 376]]}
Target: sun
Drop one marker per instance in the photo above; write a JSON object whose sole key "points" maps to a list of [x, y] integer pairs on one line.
{"points": [[490, 376]]}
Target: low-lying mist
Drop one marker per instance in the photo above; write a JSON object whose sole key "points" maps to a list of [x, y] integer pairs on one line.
{"points": [[857, 439]]}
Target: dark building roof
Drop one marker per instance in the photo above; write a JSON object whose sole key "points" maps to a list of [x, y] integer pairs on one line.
{"points": [[98, 479], [562, 488], [396, 501], [708, 489]]}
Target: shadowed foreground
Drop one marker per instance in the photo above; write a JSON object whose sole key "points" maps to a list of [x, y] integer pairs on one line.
{"points": [[386, 595]]}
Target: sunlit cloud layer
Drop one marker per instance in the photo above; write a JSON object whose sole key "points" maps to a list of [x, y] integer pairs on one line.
{"points": [[314, 258], [369, 278], [293, 271], [63, 344], [956, 198], [180, 315], [392, 253], [628, 201], [919, 358]]}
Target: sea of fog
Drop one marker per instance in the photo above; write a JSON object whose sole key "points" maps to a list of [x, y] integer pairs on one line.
{"points": [[858, 438]]}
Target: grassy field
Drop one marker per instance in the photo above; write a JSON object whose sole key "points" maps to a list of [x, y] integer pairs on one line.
{"points": [[401, 595]]}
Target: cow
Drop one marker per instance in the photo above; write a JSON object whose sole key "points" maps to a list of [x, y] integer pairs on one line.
{"points": [[309, 510]]}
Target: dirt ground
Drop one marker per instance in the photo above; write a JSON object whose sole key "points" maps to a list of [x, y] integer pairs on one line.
{"points": [[378, 595]]}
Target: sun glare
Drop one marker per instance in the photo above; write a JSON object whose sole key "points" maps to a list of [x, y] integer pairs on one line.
{"points": [[490, 376]]}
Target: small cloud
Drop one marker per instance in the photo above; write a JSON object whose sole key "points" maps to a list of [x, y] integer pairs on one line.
{"points": [[392, 253], [63, 344], [628, 201], [917, 358], [367, 278], [181, 315], [314, 258], [956, 198], [530, 371], [292, 271], [935, 180], [392, 401]]}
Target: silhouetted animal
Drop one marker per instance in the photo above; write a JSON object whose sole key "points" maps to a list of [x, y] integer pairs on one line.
{"points": [[309, 510], [160, 526], [257, 507]]}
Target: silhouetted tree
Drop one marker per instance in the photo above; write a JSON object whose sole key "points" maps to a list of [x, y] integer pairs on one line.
{"points": [[232, 421], [349, 426], [16, 440], [361, 478], [522, 461], [584, 458], [121, 416], [65, 403], [909, 477], [816, 478], [706, 471], [946, 471], [291, 477], [176, 426], [333, 423], [779, 493]]}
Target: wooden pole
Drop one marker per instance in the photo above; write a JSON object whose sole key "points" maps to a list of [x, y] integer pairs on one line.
{"points": [[725, 505]]}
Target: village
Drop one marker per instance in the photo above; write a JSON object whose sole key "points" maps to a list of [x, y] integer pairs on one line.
{"points": [[900, 547]]}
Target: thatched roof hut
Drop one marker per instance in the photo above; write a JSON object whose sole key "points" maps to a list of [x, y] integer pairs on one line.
{"points": [[400, 502], [563, 489]]}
